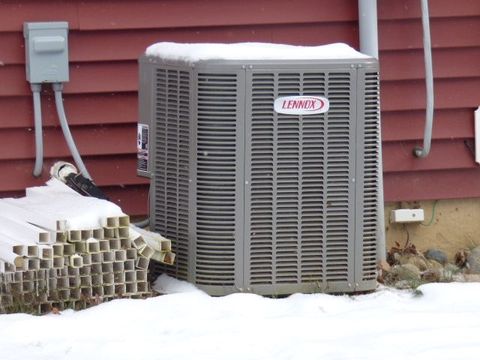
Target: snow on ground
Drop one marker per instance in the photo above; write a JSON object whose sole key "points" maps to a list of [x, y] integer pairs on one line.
{"points": [[443, 323]]}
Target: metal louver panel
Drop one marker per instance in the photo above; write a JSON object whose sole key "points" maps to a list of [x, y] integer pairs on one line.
{"points": [[299, 215], [371, 139], [288, 187], [262, 251], [171, 178], [313, 188], [216, 178], [338, 172]]}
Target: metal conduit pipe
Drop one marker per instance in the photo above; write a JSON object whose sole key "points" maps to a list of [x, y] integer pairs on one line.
{"points": [[427, 52], [368, 30], [37, 114], [57, 88]]}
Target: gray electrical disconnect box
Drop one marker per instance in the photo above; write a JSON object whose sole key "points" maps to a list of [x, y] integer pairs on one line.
{"points": [[46, 51]]}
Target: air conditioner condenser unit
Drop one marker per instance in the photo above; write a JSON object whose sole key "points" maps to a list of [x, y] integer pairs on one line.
{"points": [[265, 165]]}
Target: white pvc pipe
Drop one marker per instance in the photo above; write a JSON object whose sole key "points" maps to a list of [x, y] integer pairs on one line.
{"points": [[28, 233], [427, 52], [18, 248], [368, 28], [10, 209], [57, 88], [7, 255]]}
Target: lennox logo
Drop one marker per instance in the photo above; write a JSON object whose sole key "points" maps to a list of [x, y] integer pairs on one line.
{"points": [[301, 105]]}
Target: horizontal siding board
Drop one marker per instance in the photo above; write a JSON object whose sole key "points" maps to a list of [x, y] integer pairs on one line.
{"points": [[430, 185], [102, 77], [146, 14], [132, 199], [120, 45], [18, 12], [447, 63], [85, 78], [14, 81], [97, 15], [106, 77], [444, 154], [449, 94], [309, 34], [90, 141], [149, 14], [396, 65], [407, 9], [12, 48], [410, 125], [17, 112], [444, 32], [101, 169]]}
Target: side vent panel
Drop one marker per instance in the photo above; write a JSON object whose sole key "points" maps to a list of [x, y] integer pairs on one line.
{"points": [[369, 138], [262, 250], [338, 174], [313, 186], [171, 163], [216, 178]]}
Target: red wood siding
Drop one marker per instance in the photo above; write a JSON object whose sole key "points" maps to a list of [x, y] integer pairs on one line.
{"points": [[106, 38], [449, 171]]}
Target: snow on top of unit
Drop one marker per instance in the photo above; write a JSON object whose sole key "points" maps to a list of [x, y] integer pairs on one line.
{"points": [[251, 51]]}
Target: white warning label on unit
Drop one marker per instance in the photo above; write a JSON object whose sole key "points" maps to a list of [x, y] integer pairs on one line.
{"points": [[142, 147]]}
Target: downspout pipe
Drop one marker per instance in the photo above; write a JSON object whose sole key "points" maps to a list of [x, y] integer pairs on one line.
{"points": [[368, 30], [422, 152]]}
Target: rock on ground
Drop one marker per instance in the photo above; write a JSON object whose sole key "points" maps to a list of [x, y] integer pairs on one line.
{"points": [[408, 272], [417, 260], [436, 255], [473, 261]]}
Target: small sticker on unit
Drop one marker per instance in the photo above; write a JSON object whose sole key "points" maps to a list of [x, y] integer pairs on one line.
{"points": [[301, 105], [142, 147]]}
